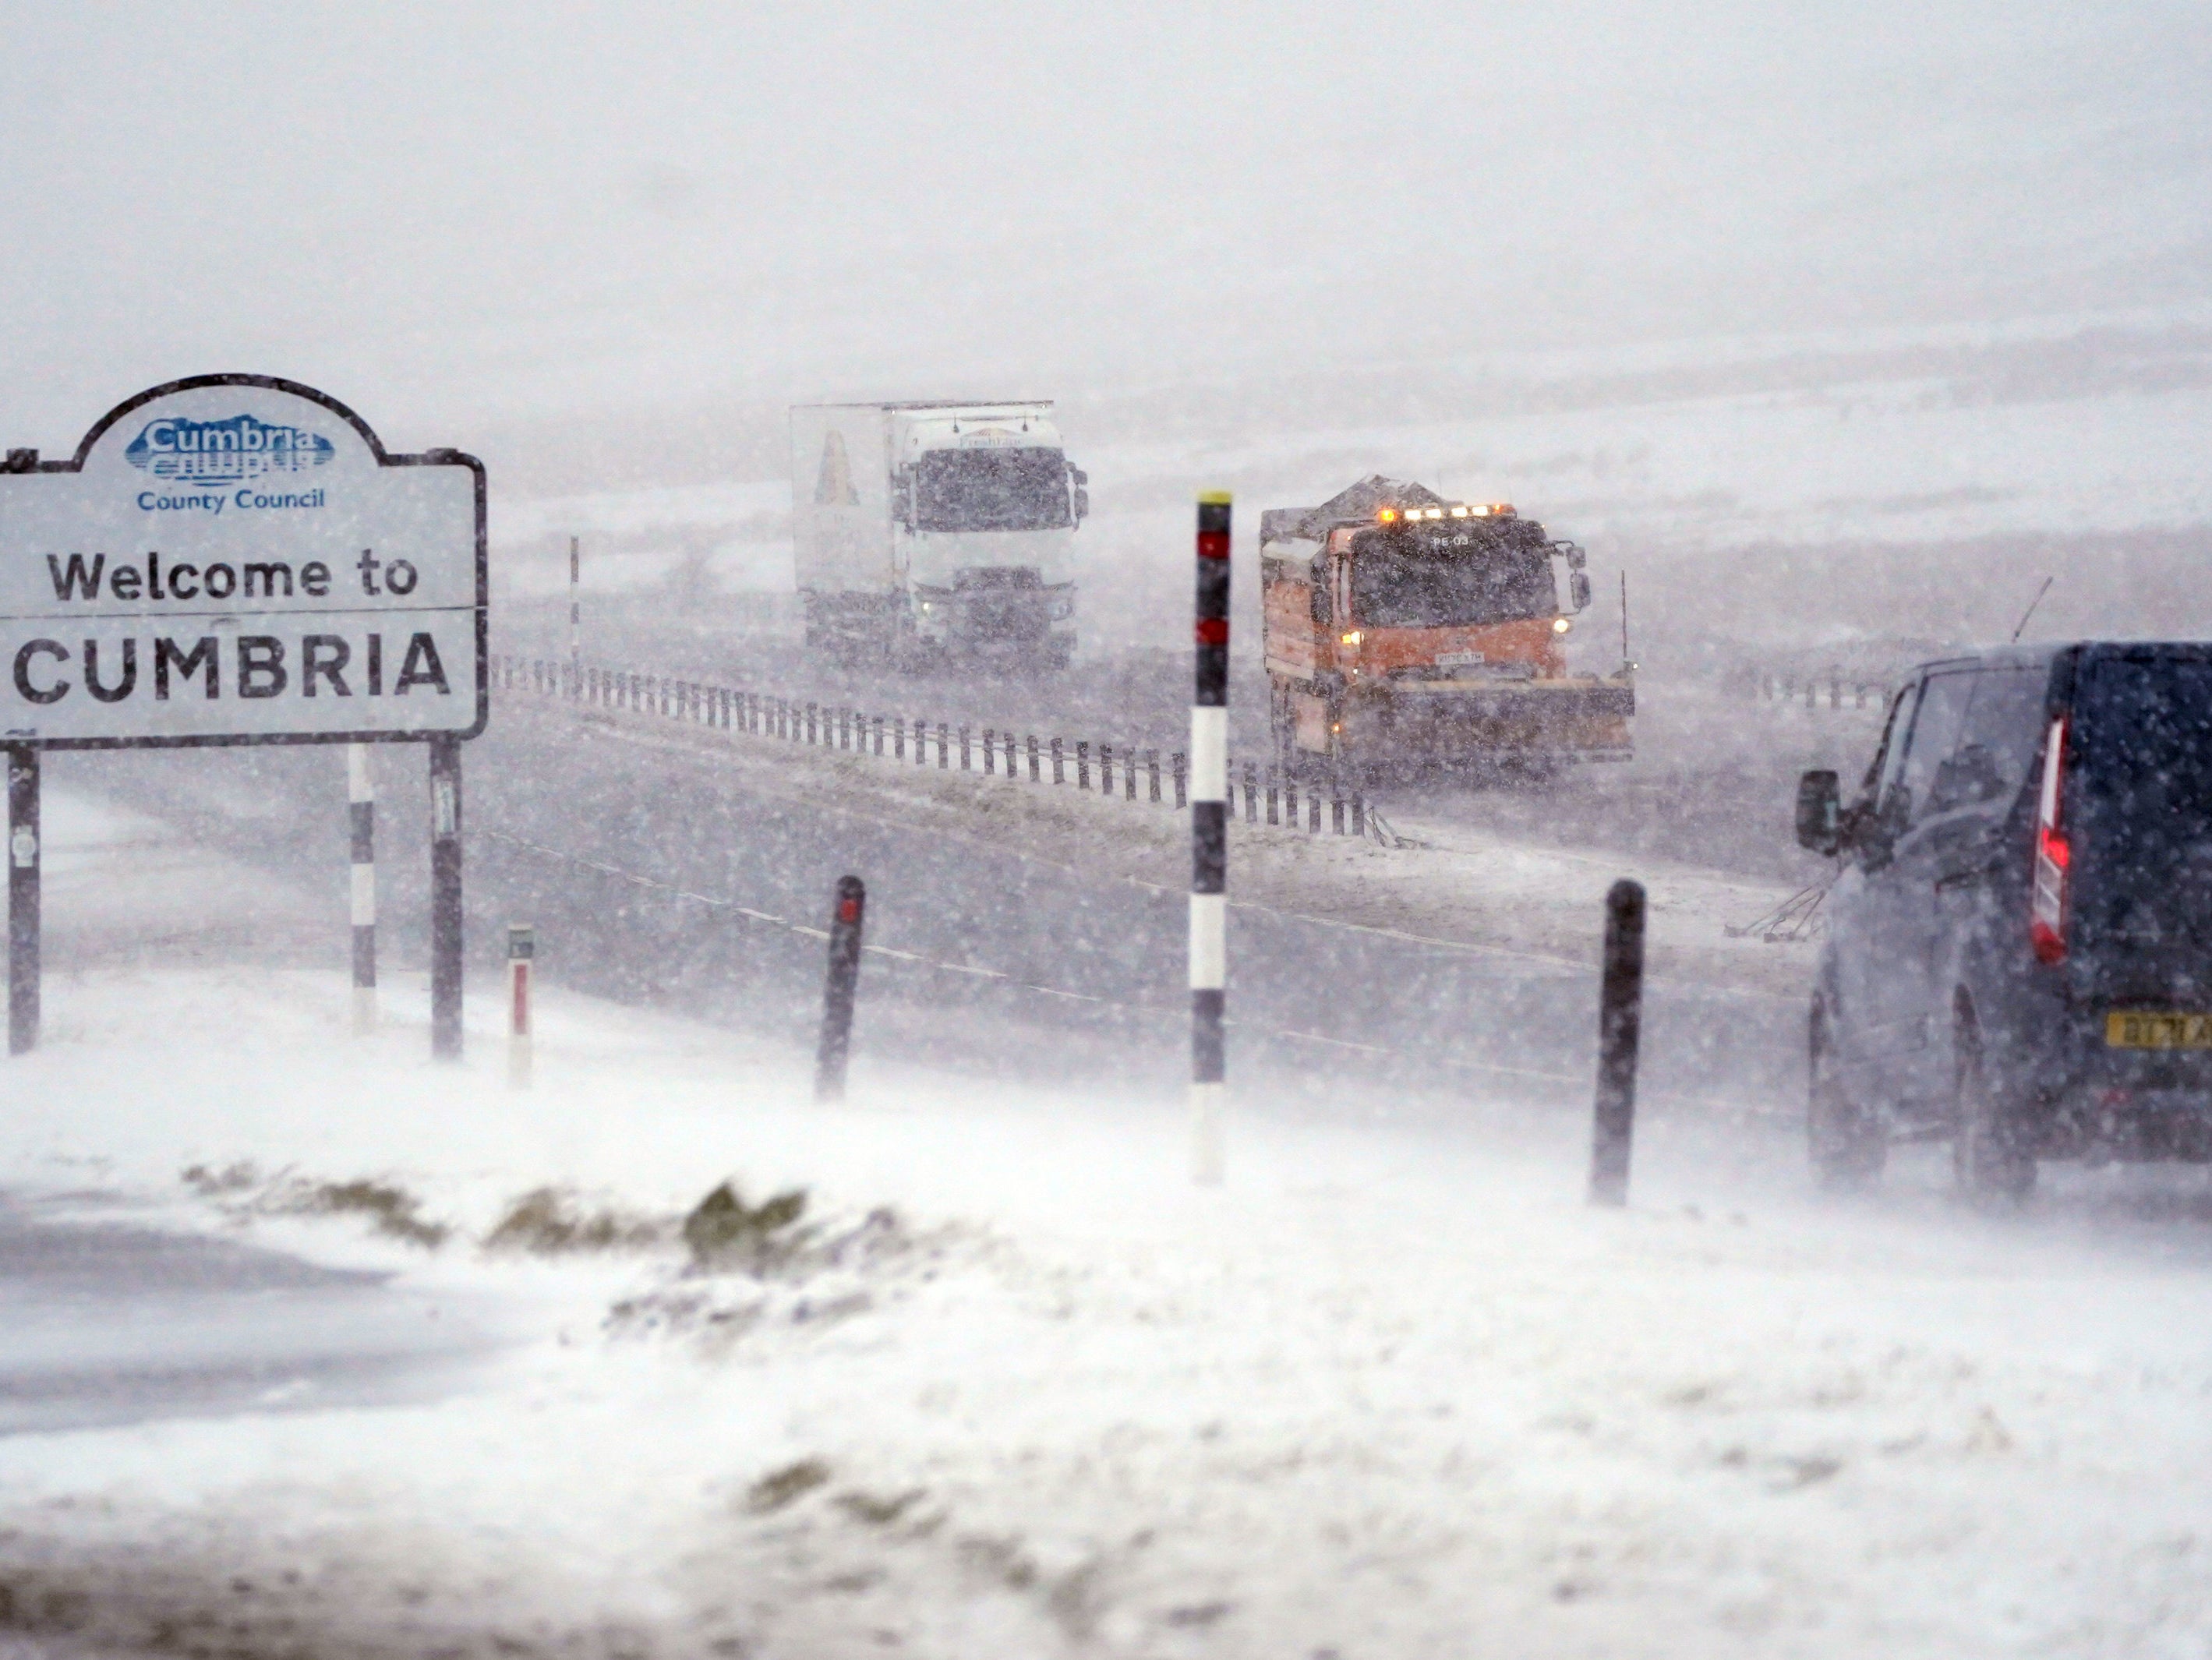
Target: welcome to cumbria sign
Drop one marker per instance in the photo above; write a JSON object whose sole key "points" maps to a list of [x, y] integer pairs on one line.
{"points": [[232, 559]]}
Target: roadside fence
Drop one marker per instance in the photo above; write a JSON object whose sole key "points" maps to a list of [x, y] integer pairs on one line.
{"points": [[1819, 692], [1122, 772]]}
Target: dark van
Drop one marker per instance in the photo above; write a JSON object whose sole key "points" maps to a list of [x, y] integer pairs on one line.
{"points": [[2020, 955]]}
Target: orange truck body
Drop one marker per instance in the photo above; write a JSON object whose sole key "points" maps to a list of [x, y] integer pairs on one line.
{"points": [[1411, 660]]}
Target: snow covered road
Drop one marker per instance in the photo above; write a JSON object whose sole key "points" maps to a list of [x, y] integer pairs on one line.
{"points": [[1011, 1386]]}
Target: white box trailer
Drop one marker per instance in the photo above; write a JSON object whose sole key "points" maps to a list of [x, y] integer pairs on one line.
{"points": [[927, 530]]}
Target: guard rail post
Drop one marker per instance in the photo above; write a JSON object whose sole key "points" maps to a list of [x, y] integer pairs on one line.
{"points": [[1010, 756], [845, 920], [1106, 770], [1358, 812], [1058, 763], [1152, 777], [1274, 815], [1335, 805], [1082, 764], [1178, 764], [964, 751], [943, 746], [1619, 1024]]}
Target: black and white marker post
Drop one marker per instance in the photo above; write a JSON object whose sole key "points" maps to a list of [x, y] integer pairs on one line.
{"points": [[1620, 1028], [1209, 840], [848, 917], [22, 900], [575, 617], [360, 810], [444, 898]]}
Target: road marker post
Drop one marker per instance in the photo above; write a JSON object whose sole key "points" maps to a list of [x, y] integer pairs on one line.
{"points": [[1209, 840], [360, 813], [446, 918], [1619, 1026], [847, 918], [575, 614], [22, 900], [521, 953]]}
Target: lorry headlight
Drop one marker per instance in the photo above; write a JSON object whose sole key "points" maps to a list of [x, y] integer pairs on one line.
{"points": [[1561, 624]]}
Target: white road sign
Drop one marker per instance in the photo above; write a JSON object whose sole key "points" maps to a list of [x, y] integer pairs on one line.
{"points": [[234, 560]]}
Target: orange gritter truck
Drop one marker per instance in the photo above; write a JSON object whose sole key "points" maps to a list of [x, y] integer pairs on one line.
{"points": [[1404, 632]]}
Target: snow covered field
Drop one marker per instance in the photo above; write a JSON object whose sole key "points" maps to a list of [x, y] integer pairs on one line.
{"points": [[1011, 1386]]}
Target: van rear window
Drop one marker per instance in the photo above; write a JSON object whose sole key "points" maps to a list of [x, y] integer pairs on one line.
{"points": [[2143, 740]]}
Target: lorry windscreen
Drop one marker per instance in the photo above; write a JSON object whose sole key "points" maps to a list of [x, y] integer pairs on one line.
{"points": [[992, 490], [2143, 743], [1404, 579]]}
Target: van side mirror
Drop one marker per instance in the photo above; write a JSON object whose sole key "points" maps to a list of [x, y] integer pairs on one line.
{"points": [[1578, 591], [1082, 504], [1820, 813]]}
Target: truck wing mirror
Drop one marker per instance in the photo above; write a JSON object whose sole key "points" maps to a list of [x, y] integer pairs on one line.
{"points": [[1820, 813], [1578, 590], [1082, 502]]}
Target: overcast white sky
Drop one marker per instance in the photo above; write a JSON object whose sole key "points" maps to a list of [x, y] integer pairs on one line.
{"points": [[454, 213]]}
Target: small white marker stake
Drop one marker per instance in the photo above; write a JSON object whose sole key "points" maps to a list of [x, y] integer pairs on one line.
{"points": [[521, 949]]}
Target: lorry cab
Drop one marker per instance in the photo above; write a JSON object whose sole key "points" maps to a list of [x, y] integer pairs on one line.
{"points": [[1404, 629], [926, 529], [2020, 955]]}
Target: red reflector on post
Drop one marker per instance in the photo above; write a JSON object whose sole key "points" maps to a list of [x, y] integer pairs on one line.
{"points": [[1213, 631], [1213, 545], [848, 911]]}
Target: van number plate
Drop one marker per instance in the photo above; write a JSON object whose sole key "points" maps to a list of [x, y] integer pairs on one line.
{"points": [[1459, 659], [2141, 1029]]}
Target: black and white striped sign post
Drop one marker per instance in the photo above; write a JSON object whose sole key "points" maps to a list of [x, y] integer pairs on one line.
{"points": [[360, 810], [1209, 840]]}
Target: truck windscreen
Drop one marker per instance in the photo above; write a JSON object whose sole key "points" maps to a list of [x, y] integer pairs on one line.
{"points": [[992, 490], [1404, 580]]}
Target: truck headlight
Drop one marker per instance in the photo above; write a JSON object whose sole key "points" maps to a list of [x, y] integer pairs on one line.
{"points": [[1561, 624]]}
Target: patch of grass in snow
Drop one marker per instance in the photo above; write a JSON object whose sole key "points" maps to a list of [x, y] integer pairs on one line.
{"points": [[783, 1488], [723, 1233], [391, 1209], [877, 1511], [553, 1221]]}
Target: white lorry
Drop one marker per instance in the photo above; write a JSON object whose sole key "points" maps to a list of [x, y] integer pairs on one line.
{"points": [[924, 531]]}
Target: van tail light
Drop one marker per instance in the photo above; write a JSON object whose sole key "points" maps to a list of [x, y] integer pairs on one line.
{"points": [[2054, 857]]}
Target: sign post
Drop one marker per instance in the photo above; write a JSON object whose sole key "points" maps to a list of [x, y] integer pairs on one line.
{"points": [[22, 900], [232, 559]]}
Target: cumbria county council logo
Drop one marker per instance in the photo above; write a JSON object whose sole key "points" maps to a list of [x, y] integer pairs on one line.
{"points": [[224, 451]]}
